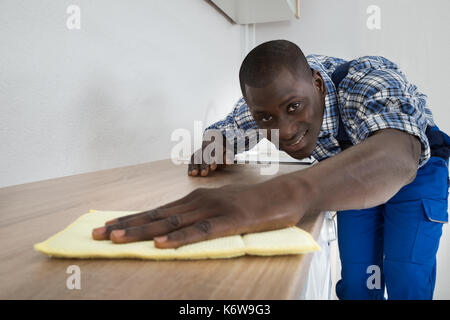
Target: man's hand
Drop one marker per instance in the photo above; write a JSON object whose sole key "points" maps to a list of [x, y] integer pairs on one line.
{"points": [[209, 213], [208, 163]]}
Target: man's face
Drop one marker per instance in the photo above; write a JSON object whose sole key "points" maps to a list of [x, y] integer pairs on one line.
{"points": [[294, 106]]}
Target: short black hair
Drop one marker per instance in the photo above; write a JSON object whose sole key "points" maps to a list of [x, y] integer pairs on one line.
{"points": [[267, 60]]}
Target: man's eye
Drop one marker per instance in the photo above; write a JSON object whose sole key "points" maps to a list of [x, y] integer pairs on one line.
{"points": [[293, 107], [266, 118]]}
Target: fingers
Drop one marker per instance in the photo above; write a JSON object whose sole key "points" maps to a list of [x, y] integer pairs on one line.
{"points": [[157, 228], [194, 165], [208, 163], [103, 233], [204, 170], [193, 169], [204, 229]]}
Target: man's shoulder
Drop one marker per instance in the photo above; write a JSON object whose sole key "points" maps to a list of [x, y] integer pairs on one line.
{"points": [[327, 63], [363, 62], [373, 63], [375, 73]]}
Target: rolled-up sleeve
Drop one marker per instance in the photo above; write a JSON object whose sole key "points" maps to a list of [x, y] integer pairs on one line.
{"points": [[386, 100]]}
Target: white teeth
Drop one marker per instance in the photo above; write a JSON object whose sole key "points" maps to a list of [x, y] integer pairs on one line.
{"points": [[299, 139]]}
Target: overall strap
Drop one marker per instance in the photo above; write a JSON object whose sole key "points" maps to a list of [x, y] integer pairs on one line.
{"points": [[337, 76], [439, 142]]}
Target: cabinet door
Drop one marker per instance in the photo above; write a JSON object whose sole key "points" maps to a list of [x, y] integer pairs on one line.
{"points": [[258, 11]]}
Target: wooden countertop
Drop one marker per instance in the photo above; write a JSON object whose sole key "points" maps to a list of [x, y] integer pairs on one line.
{"points": [[32, 212]]}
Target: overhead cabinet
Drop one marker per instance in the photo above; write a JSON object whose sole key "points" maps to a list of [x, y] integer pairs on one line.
{"points": [[258, 11]]}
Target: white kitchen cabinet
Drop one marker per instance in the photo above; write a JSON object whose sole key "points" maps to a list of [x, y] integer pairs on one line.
{"points": [[258, 11]]}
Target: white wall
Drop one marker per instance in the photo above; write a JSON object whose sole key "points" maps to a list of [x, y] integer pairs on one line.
{"points": [[111, 93], [413, 34]]}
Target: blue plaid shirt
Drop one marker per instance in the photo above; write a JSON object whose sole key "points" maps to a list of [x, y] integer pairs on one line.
{"points": [[374, 95]]}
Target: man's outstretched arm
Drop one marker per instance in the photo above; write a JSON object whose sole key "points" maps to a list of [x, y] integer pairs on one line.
{"points": [[363, 176]]}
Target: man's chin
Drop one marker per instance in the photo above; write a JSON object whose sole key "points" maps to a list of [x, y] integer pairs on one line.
{"points": [[299, 155]]}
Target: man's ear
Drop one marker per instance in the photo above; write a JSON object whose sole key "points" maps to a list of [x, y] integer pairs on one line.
{"points": [[319, 83]]}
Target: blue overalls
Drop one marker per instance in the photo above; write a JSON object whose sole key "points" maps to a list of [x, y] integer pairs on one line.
{"points": [[395, 244]]}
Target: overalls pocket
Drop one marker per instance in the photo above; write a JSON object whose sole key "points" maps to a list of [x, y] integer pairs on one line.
{"points": [[435, 214], [436, 210]]}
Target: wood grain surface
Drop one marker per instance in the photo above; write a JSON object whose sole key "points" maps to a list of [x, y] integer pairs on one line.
{"points": [[32, 212]]}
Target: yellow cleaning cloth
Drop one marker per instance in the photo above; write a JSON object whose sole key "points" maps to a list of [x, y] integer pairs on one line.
{"points": [[75, 241]]}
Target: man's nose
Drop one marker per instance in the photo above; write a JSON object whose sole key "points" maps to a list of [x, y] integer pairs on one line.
{"points": [[288, 129]]}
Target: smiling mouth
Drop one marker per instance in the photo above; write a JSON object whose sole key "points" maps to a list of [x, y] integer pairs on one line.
{"points": [[297, 143]]}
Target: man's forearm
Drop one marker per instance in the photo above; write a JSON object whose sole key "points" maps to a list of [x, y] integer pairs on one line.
{"points": [[366, 175]]}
